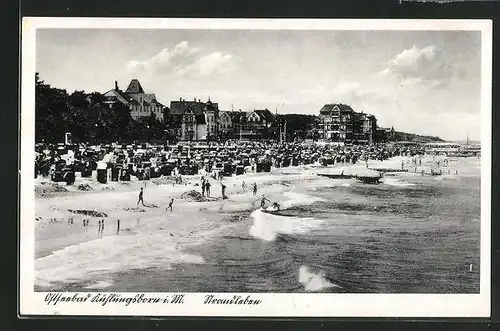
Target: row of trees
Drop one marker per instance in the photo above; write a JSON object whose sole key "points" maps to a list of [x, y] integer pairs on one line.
{"points": [[300, 126], [88, 118]]}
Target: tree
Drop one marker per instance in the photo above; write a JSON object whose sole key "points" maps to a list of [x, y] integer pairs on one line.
{"points": [[51, 106], [298, 125]]}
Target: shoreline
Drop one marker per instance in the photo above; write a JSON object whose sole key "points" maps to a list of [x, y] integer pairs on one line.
{"points": [[189, 224], [53, 233], [53, 211]]}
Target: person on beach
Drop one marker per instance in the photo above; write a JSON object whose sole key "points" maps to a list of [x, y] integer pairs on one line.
{"points": [[254, 188], [117, 226], [207, 188], [141, 197], [99, 228], [223, 187], [243, 185], [170, 204], [102, 226], [83, 222], [203, 187]]}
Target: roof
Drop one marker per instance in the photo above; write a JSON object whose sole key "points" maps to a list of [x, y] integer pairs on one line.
{"points": [[265, 114], [236, 116], [147, 99], [134, 95], [122, 97], [179, 107], [134, 87], [329, 107]]}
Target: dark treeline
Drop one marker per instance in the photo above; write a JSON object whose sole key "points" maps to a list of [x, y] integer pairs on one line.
{"points": [[300, 126], [403, 136], [88, 118]]}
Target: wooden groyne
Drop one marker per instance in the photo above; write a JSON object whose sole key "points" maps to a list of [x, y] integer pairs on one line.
{"points": [[384, 170], [365, 179]]}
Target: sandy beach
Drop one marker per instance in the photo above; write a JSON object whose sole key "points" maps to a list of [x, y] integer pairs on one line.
{"points": [[150, 235]]}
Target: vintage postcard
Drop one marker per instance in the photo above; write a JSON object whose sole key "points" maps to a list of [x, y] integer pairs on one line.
{"points": [[234, 167]]}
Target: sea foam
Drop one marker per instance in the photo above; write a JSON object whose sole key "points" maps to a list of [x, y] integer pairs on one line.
{"points": [[95, 259], [296, 199], [266, 225], [313, 282], [395, 182]]}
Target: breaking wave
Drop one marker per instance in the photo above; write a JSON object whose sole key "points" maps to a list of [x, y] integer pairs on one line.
{"points": [[267, 225], [314, 282], [295, 199], [95, 259], [395, 182]]}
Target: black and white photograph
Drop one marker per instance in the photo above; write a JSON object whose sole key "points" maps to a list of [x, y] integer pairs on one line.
{"points": [[256, 167]]}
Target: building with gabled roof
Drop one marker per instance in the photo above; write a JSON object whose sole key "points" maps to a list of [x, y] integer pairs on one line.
{"points": [[141, 104], [134, 87], [261, 116], [231, 123], [198, 120], [339, 122]]}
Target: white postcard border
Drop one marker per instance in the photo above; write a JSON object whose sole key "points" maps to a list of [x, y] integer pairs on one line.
{"points": [[272, 304]]}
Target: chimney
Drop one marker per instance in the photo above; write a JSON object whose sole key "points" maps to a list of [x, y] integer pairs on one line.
{"points": [[116, 85]]}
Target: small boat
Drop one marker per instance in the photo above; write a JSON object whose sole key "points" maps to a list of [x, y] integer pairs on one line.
{"points": [[336, 176]]}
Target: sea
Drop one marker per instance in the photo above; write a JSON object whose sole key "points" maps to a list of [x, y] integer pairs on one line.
{"points": [[408, 234]]}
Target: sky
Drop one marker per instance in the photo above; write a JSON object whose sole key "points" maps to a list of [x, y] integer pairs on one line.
{"points": [[424, 82]]}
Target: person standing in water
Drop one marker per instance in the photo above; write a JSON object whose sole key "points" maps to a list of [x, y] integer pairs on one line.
{"points": [[263, 201], [99, 228], [141, 197], [117, 226]]}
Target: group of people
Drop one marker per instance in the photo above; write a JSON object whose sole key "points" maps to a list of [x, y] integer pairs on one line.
{"points": [[141, 200], [205, 187], [101, 226]]}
